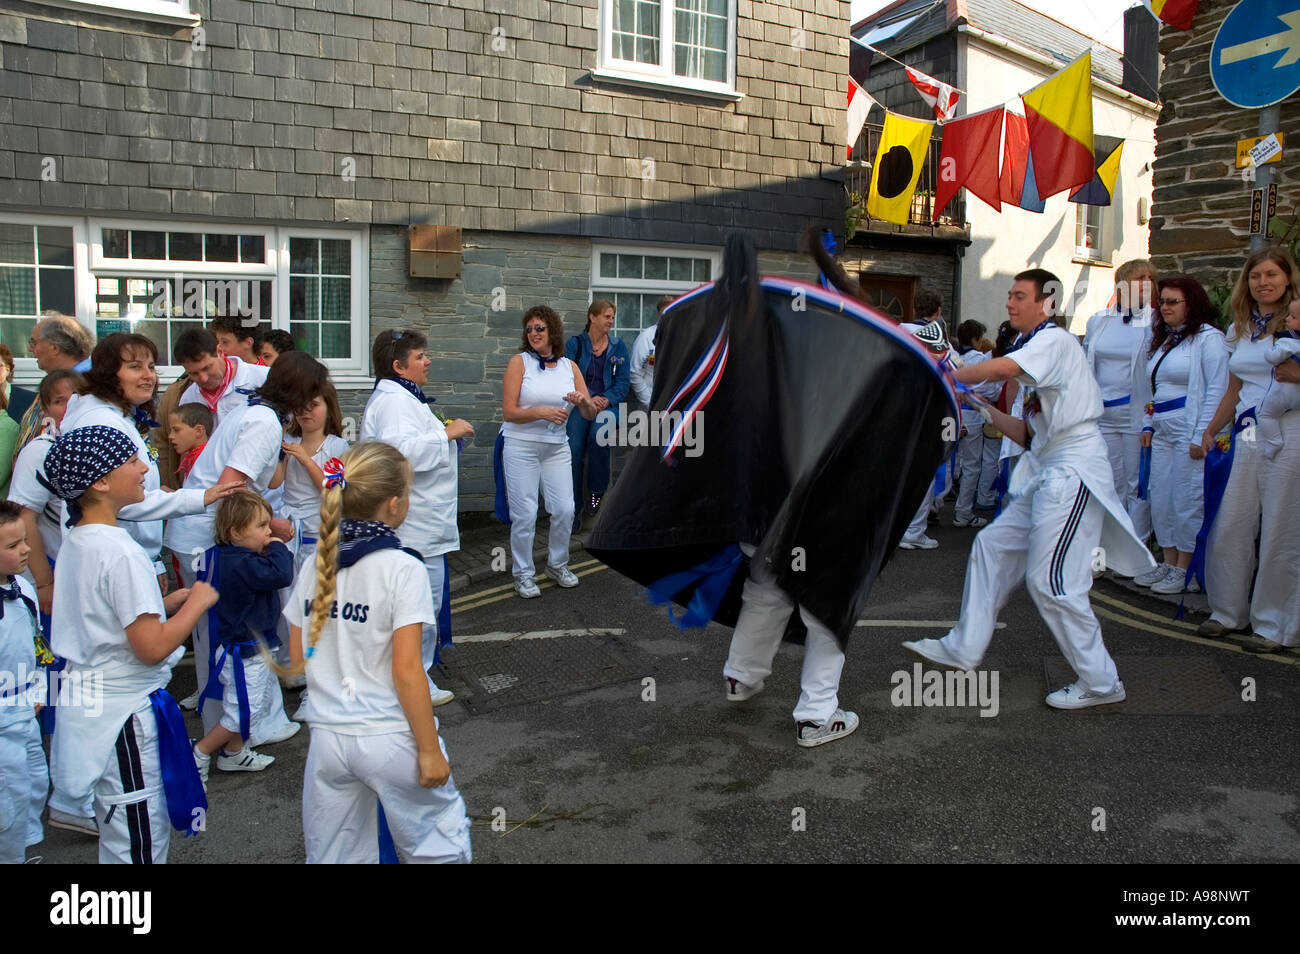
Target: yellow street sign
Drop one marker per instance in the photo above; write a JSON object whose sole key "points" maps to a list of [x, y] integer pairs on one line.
{"points": [[1244, 146]]}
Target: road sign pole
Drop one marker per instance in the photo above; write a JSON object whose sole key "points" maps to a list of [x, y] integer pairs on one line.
{"points": [[1270, 121]]}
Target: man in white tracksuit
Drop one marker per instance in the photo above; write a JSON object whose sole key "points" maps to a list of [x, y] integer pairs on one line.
{"points": [[1116, 345], [1061, 504], [398, 413]]}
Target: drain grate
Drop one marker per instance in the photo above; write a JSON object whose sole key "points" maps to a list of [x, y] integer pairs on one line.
{"points": [[513, 673], [1161, 685]]}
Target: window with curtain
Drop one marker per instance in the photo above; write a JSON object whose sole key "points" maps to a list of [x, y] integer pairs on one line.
{"points": [[36, 276], [681, 42]]}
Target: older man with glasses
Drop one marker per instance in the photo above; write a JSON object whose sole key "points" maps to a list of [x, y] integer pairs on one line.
{"points": [[57, 342]]}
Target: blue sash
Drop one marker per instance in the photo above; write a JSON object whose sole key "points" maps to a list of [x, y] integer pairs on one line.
{"points": [[1116, 402], [1218, 467], [1173, 404], [181, 783], [500, 506], [46, 717], [714, 577], [213, 688], [1144, 472]]}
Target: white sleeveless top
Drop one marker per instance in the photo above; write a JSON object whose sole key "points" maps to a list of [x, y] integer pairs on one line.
{"points": [[542, 389]]}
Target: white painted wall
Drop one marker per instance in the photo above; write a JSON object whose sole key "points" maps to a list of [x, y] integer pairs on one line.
{"points": [[1007, 242]]}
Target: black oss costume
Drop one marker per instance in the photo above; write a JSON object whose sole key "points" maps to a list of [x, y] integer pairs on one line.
{"points": [[822, 425]]}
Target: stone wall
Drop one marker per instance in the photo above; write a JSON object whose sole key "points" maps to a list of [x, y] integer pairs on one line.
{"points": [[444, 120], [1201, 208]]}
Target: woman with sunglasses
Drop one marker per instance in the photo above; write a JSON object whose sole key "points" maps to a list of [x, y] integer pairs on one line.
{"points": [[541, 386], [1181, 380]]}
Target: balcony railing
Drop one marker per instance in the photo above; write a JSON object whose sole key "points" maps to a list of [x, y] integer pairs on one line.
{"points": [[857, 182]]}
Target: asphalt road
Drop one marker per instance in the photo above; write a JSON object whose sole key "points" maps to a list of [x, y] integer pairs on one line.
{"points": [[669, 771]]}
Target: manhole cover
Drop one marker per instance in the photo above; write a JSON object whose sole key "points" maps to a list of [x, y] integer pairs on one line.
{"points": [[1161, 685], [534, 670]]}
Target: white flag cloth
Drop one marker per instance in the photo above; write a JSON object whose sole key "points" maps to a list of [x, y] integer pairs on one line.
{"points": [[941, 97], [859, 105]]}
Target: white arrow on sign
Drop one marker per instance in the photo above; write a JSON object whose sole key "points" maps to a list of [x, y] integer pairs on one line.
{"points": [[1288, 39]]}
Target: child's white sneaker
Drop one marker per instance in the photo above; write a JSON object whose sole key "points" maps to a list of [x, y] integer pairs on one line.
{"points": [[1153, 575], [245, 760], [190, 702], [286, 731], [203, 763], [839, 725]]}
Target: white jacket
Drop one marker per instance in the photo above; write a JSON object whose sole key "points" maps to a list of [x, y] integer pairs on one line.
{"points": [[1206, 382], [642, 371], [143, 520], [1098, 324], [395, 416]]}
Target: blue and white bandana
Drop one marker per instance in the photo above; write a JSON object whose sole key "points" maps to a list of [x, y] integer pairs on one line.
{"points": [[79, 458]]}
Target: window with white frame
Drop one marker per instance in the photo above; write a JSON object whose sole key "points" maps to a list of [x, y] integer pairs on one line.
{"points": [[159, 280], [1089, 237], [170, 11], [635, 278], [689, 43]]}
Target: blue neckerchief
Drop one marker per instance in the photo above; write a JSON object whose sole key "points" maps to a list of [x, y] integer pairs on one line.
{"points": [[1025, 339], [1259, 325], [360, 538], [1127, 317], [1286, 333], [411, 388], [541, 362], [255, 399], [140, 417], [12, 592]]}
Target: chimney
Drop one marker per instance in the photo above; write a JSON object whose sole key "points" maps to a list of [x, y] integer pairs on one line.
{"points": [[1141, 53]]}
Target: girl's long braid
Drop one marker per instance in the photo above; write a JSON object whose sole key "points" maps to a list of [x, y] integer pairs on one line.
{"points": [[327, 564]]}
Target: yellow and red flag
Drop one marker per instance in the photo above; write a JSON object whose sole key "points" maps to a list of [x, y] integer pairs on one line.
{"points": [[1059, 115], [1177, 13]]}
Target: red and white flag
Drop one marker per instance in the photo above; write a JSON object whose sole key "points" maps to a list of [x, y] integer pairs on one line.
{"points": [[941, 97], [859, 105]]}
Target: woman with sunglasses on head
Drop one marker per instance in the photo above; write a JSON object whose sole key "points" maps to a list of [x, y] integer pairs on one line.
{"points": [[1256, 503], [1180, 380], [541, 387]]}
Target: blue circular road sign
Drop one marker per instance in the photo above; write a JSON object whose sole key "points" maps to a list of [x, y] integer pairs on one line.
{"points": [[1255, 59]]}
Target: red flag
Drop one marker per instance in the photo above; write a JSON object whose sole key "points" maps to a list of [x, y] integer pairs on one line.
{"points": [[1017, 185], [969, 157], [941, 97]]}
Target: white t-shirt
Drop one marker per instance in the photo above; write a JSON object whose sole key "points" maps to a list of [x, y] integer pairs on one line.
{"points": [[301, 495], [26, 491], [246, 376], [1055, 366], [350, 674], [105, 582], [17, 657], [642, 365], [543, 389], [1114, 352], [1173, 373], [249, 442], [1248, 360]]}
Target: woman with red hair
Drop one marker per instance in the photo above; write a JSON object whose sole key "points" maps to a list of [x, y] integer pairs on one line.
{"points": [[1182, 380]]}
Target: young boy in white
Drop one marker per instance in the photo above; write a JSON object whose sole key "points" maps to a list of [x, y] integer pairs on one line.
{"points": [[1282, 396], [24, 779], [374, 737], [398, 414], [110, 624], [1060, 505]]}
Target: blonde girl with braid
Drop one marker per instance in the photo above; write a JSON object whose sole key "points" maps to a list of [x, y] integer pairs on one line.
{"points": [[355, 625]]}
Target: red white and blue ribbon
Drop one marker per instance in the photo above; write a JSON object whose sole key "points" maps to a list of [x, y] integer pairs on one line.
{"points": [[333, 471], [703, 379]]}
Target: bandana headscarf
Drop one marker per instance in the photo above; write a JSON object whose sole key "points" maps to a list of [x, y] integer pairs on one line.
{"points": [[79, 458]]}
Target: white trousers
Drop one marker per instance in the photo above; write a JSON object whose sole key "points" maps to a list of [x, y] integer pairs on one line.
{"points": [[527, 463], [268, 711], [916, 529], [130, 805], [977, 464], [258, 680], [763, 614], [346, 778], [1124, 451], [1044, 539], [1259, 502], [1176, 493], [38, 771], [429, 635], [22, 790], [1281, 396]]}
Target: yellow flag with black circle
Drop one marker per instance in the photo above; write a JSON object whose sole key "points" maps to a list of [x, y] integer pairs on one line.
{"points": [[899, 157]]}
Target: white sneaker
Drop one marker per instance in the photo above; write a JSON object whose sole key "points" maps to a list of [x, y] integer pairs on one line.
{"points": [[1075, 696], [922, 542], [973, 522], [1153, 575], [300, 714], [839, 725], [738, 692], [286, 731], [204, 764], [1172, 582], [526, 588], [936, 652], [563, 576], [70, 822], [440, 697], [189, 703], [245, 760]]}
